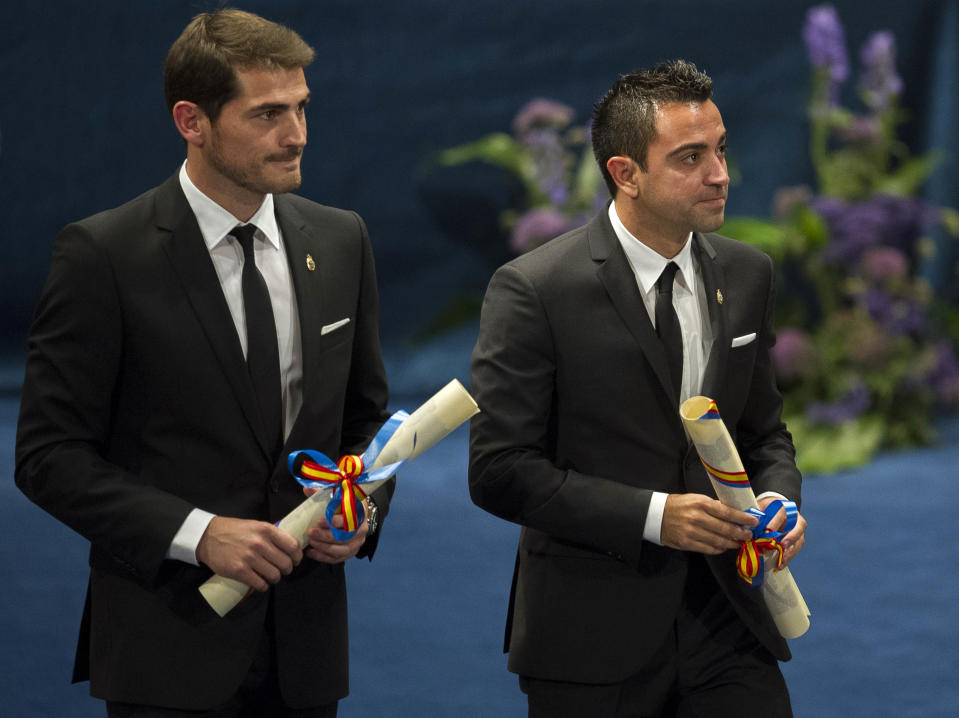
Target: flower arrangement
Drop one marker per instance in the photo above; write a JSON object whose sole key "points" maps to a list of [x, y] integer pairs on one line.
{"points": [[864, 355], [554, 159]]}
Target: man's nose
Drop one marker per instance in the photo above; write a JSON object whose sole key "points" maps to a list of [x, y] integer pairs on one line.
{"points": [[295, 135], [718, 174]]}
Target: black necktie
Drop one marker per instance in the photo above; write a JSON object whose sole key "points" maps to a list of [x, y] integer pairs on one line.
{"points": [[667, 324], [262, 352]]}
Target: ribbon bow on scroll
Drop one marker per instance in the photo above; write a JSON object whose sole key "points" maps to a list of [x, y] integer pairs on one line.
{"points": [[750, 560], [316, 470]]}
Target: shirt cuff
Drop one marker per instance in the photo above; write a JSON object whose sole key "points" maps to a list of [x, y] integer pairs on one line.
{"points": [[654, 518], [183, 546], [771, 495]]}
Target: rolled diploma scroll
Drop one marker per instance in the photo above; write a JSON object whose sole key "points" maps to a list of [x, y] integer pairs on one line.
{"points": [[441, 414], [716, 448]]}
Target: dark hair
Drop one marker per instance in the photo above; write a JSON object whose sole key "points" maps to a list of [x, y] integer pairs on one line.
{"points": [[200, 65], [624, 121]]}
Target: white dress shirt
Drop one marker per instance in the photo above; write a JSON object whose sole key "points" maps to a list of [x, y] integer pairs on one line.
{"points": [[216, 223], [689, 301]]}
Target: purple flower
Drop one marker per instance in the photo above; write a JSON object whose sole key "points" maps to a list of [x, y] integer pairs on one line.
{"points": [[879, 78], [883, 220], [894, 314], [792, 353], [852, 228], [549, 163], [535, 227], [539, 113], [788, 199], [853, 403], [826, 46], [944, 379], [880, 263]]}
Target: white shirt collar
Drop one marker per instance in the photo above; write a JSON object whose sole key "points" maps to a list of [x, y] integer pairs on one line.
{"points": [[647, 263], [216, 222]]}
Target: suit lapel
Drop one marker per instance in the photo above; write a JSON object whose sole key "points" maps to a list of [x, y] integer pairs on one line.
{"points": [[309, 280], [714, 282], [619, 279], [191, 261]]}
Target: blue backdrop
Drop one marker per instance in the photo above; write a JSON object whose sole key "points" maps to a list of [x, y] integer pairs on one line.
{"points": [[84, 127]]}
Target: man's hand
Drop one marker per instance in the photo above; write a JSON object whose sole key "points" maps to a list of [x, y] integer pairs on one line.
{"points": [[795, 539], [694, 522], [326, 549], [254, 552]]}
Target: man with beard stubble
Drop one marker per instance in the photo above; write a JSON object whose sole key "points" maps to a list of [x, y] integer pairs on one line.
{"points": [[625, 599], [183, 344]]}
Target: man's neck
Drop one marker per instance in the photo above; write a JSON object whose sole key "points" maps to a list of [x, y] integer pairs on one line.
{"points": [[667, 245], [238, 201]]}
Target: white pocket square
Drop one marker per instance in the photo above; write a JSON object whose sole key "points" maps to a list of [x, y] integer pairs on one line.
{"points": [[743, 340], [342, 323]]}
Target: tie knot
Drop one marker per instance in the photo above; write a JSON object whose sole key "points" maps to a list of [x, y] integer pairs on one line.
{"points": [[664, 285], [244, 235]]}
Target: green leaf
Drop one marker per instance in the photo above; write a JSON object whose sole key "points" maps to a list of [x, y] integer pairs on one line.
{"points": [[950, 220], [812, 227], [827, 449], [586, 182], [765, 235], [498, 148], [906, 180]]}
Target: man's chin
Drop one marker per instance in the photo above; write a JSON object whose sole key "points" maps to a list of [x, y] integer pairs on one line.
{"points": [[288, 183], [711, 224]]}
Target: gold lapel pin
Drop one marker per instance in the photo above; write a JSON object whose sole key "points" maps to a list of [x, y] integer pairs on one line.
{"points": [[311, 265], [719, 296]]}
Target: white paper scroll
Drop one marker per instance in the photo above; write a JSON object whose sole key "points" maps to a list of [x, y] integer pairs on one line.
{"points": [[441, 414], [716, 449]]}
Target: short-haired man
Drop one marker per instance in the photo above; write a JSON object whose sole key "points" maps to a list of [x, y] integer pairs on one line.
{"points": [[625, 600], [184, 342]]}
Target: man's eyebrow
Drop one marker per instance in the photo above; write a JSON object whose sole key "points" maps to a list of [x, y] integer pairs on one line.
{"points": [[697, 146], [278, 106]]}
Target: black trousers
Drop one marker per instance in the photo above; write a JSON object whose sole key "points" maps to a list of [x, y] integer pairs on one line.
{"points": [[710, 666], [258, 696]]}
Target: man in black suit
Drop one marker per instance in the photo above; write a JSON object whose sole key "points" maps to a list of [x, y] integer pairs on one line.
{"points": [[625, 600], [184, 343]]}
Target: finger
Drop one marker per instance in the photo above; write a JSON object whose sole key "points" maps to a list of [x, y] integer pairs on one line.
{"points": [[287, 543]]}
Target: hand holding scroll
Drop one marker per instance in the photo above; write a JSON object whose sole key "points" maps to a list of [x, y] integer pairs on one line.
{"points": [[441, 414], [694, 522], [254, 552], [795, 539], [324, 547]]}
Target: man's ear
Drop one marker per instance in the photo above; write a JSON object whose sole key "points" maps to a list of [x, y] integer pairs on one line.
{"points": [[624, 172], [191, 122]]}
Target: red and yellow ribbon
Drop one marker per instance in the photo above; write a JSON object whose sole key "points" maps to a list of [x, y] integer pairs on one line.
{"points": [[749, 562], [348, 469], [316, 470]]}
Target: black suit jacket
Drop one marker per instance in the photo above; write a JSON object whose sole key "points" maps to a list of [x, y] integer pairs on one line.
{"points": [[137, 407], [579, 426]]}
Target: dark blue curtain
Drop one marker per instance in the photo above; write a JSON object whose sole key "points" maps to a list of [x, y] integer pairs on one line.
{"points": [[84, 127]]}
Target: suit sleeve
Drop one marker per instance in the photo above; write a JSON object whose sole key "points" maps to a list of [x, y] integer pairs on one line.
{"points": [[765, 444], [513, 473], [367, 391], [64, 430]]}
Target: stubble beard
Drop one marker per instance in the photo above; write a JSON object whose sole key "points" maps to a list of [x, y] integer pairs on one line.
{"points": [[253, 178]]}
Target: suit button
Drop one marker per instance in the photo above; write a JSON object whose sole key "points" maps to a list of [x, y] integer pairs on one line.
{"points": [[274, 486]]}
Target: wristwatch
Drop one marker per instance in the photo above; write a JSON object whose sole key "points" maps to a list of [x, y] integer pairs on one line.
{"points": [[372, 515]]}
